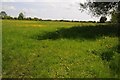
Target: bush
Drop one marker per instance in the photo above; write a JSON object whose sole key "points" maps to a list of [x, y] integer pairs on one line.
{"points": [[21, 16], [103, 19], [115, 64]]}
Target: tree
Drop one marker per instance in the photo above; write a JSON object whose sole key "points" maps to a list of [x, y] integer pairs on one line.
{"points": [[3, 14], [36, 19], [114, 17], [21, 16], [100, 8], [15, 18], [8, 17], [28, 18], [118, 14], [103, 19]]}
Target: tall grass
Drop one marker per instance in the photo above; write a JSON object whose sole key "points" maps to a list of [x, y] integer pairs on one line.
{"points": [[46, 49]]}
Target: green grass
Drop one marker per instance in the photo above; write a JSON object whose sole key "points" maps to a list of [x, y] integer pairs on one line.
{"points": [[46, 49]]}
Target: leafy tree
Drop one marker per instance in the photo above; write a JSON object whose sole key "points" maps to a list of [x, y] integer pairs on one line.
{"points": [[28, 18], [114, 17], [100, 8], [8, 17], [40, 19], [21, 16], [103, 19], [15, 18], [3, 14], [36, 19]]}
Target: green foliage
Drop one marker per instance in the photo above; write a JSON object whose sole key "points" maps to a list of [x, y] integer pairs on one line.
{"points": [[29, 18], [3, 14], [15, 18], [99, 8], [47, 49], [103, 19], [114, 17], [115, 65], [21, 16], [36, 19], [8, 17]]}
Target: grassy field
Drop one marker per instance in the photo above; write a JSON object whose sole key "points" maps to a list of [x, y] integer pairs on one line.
{"points": [[47, 49]]}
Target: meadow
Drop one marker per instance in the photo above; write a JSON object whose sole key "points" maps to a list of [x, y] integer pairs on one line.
{"points": [[49, 49]]}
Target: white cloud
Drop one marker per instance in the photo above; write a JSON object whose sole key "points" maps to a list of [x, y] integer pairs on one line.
{"points": [[8, 7], [46, 9], [29, 11], [17, 0], [60, 0], [43, 1], [7, 0]]}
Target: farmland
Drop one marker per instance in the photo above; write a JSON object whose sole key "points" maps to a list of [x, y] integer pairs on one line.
{"points": [[49, 49]]}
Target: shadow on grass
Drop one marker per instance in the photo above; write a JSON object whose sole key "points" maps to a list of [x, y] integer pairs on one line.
{"points": [[80, 32], [90, 33]]}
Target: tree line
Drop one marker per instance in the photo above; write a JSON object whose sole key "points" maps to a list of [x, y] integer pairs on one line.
{"points": [[21, 16]]}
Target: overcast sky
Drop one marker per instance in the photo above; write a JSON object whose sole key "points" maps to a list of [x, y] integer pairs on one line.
{"points": [[47, 9]]}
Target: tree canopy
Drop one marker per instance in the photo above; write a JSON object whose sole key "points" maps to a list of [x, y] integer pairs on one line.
{"points": [[21, 16], [99, 8], [3, 14], [103, 19]]}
